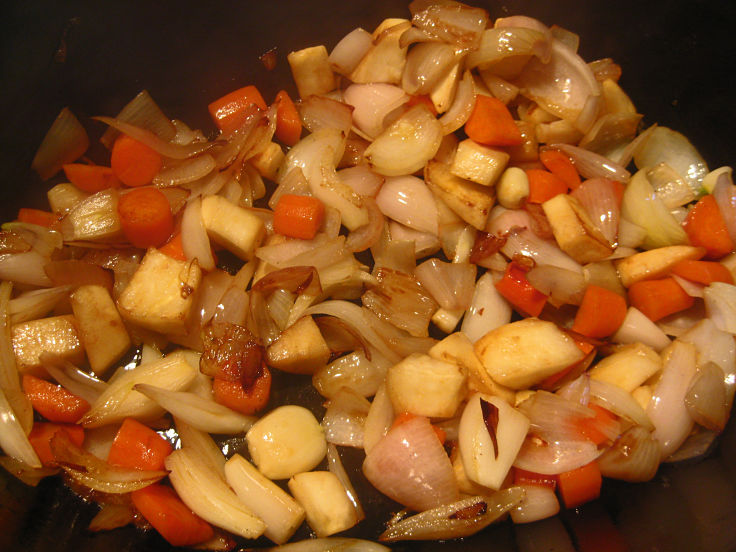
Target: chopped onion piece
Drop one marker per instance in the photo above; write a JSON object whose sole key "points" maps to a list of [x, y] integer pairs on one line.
{"points": [[207, 495], [667, 409], [706, 398], [88, 470], [633, 457], [426, 64], [188, 171], [451, 284], [410, 466], [347, 53], [353, 371], [334, 464], [619, 401], [144, 112], [406, 145], [452, 22], [322, 112], [372, 103], [664, 145], [592, 165], [455, 520], [408, 200], [194, 239], [28, 475], [24, 268], [720, 304], [543, 252], [499, 45], [72, 378], [724, 192], [362, 180], [539, 502], [462, 106], [488, 309], [112, 516], [344, 419], [205, 415], [65, 142], [638, 328], [13, 439], [598, 197], [562, 286]]}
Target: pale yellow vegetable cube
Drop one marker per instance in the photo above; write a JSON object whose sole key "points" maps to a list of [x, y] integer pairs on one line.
{"points": [[478, 163], [524, 353], [311, 70], [629, 367], [300, 349], [325, 501], [160, 294], [100, 327], [654, 263], [267, 162], [470, 201], [574, 230], [425, 386], [286, 441], [236, 229], [56, 335], [457, 348]]}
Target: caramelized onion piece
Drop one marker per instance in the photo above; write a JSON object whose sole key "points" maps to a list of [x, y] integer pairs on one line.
{"points": [[231, 353]]}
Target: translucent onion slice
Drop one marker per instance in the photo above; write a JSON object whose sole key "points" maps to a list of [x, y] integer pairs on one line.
{"points": [[208, 496], [488, 309], [194, 239], [498, 45], [88, 470], [462, 106], [205, 415], [335, 465], [451, 22], [565, 86], [706, 398], [28, 475], [592, 165], [65, 142], [555, 457], [724, 192], [368, 235], [425, 244], [408, 200], [18, 409], [322, 112], [406, 145], [353, 371], [633, 457], [410, 466], [112, 516], [372, 103], [543, 252], [13, 439], [72, 378], [348, 52], [24, 268], [167, 149], [379, 419], [539, 502], [642, 207], [426, 64], [144, 112], [620, 402], [456, 520], [720, 304], [186, 172], [665, 145], [667, 409], [598, 197], [451, 284], [362, 180], [562, 286], [202, 446], [344, 419]]}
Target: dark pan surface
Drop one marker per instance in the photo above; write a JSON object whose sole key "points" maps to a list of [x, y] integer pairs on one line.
{"points": [[678, 62]]}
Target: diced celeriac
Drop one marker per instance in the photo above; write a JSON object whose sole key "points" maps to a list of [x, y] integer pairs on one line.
{"points": [[470, 201], [100, 327], [654, 263], [478, 163], [56, 335], [160, 294], [629, 367], [236, 229], [300, 349], [325, 501], [311, 70]]}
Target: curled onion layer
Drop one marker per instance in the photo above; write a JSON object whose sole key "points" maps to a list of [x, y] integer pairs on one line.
{"points": [[410, 466], [633, 457]]}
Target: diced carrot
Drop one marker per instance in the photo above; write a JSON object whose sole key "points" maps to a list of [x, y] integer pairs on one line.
{"points": [[560, 165], [241, 399], [233, 109], [706, 228], [601, 312], [491, 123], [580, 485], [298, 216], [90, 178], [145, 215], [659, 298], [524, 477], [517, 290], [37, 216], [703, 272], [53, 402], [173, 519], [423, 99], [288, 121], [137, 446], [590, 428], [133, 162], [41, 434], [174, 248], [544, 185]]}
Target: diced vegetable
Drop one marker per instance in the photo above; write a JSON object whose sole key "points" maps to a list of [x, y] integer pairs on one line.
{"points": [[138, 446], [232, 110], [145, 215], [133, 162], [53, 402]]}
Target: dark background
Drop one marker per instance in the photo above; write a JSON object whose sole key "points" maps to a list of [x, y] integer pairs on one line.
{"points": [[678, 62]]}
